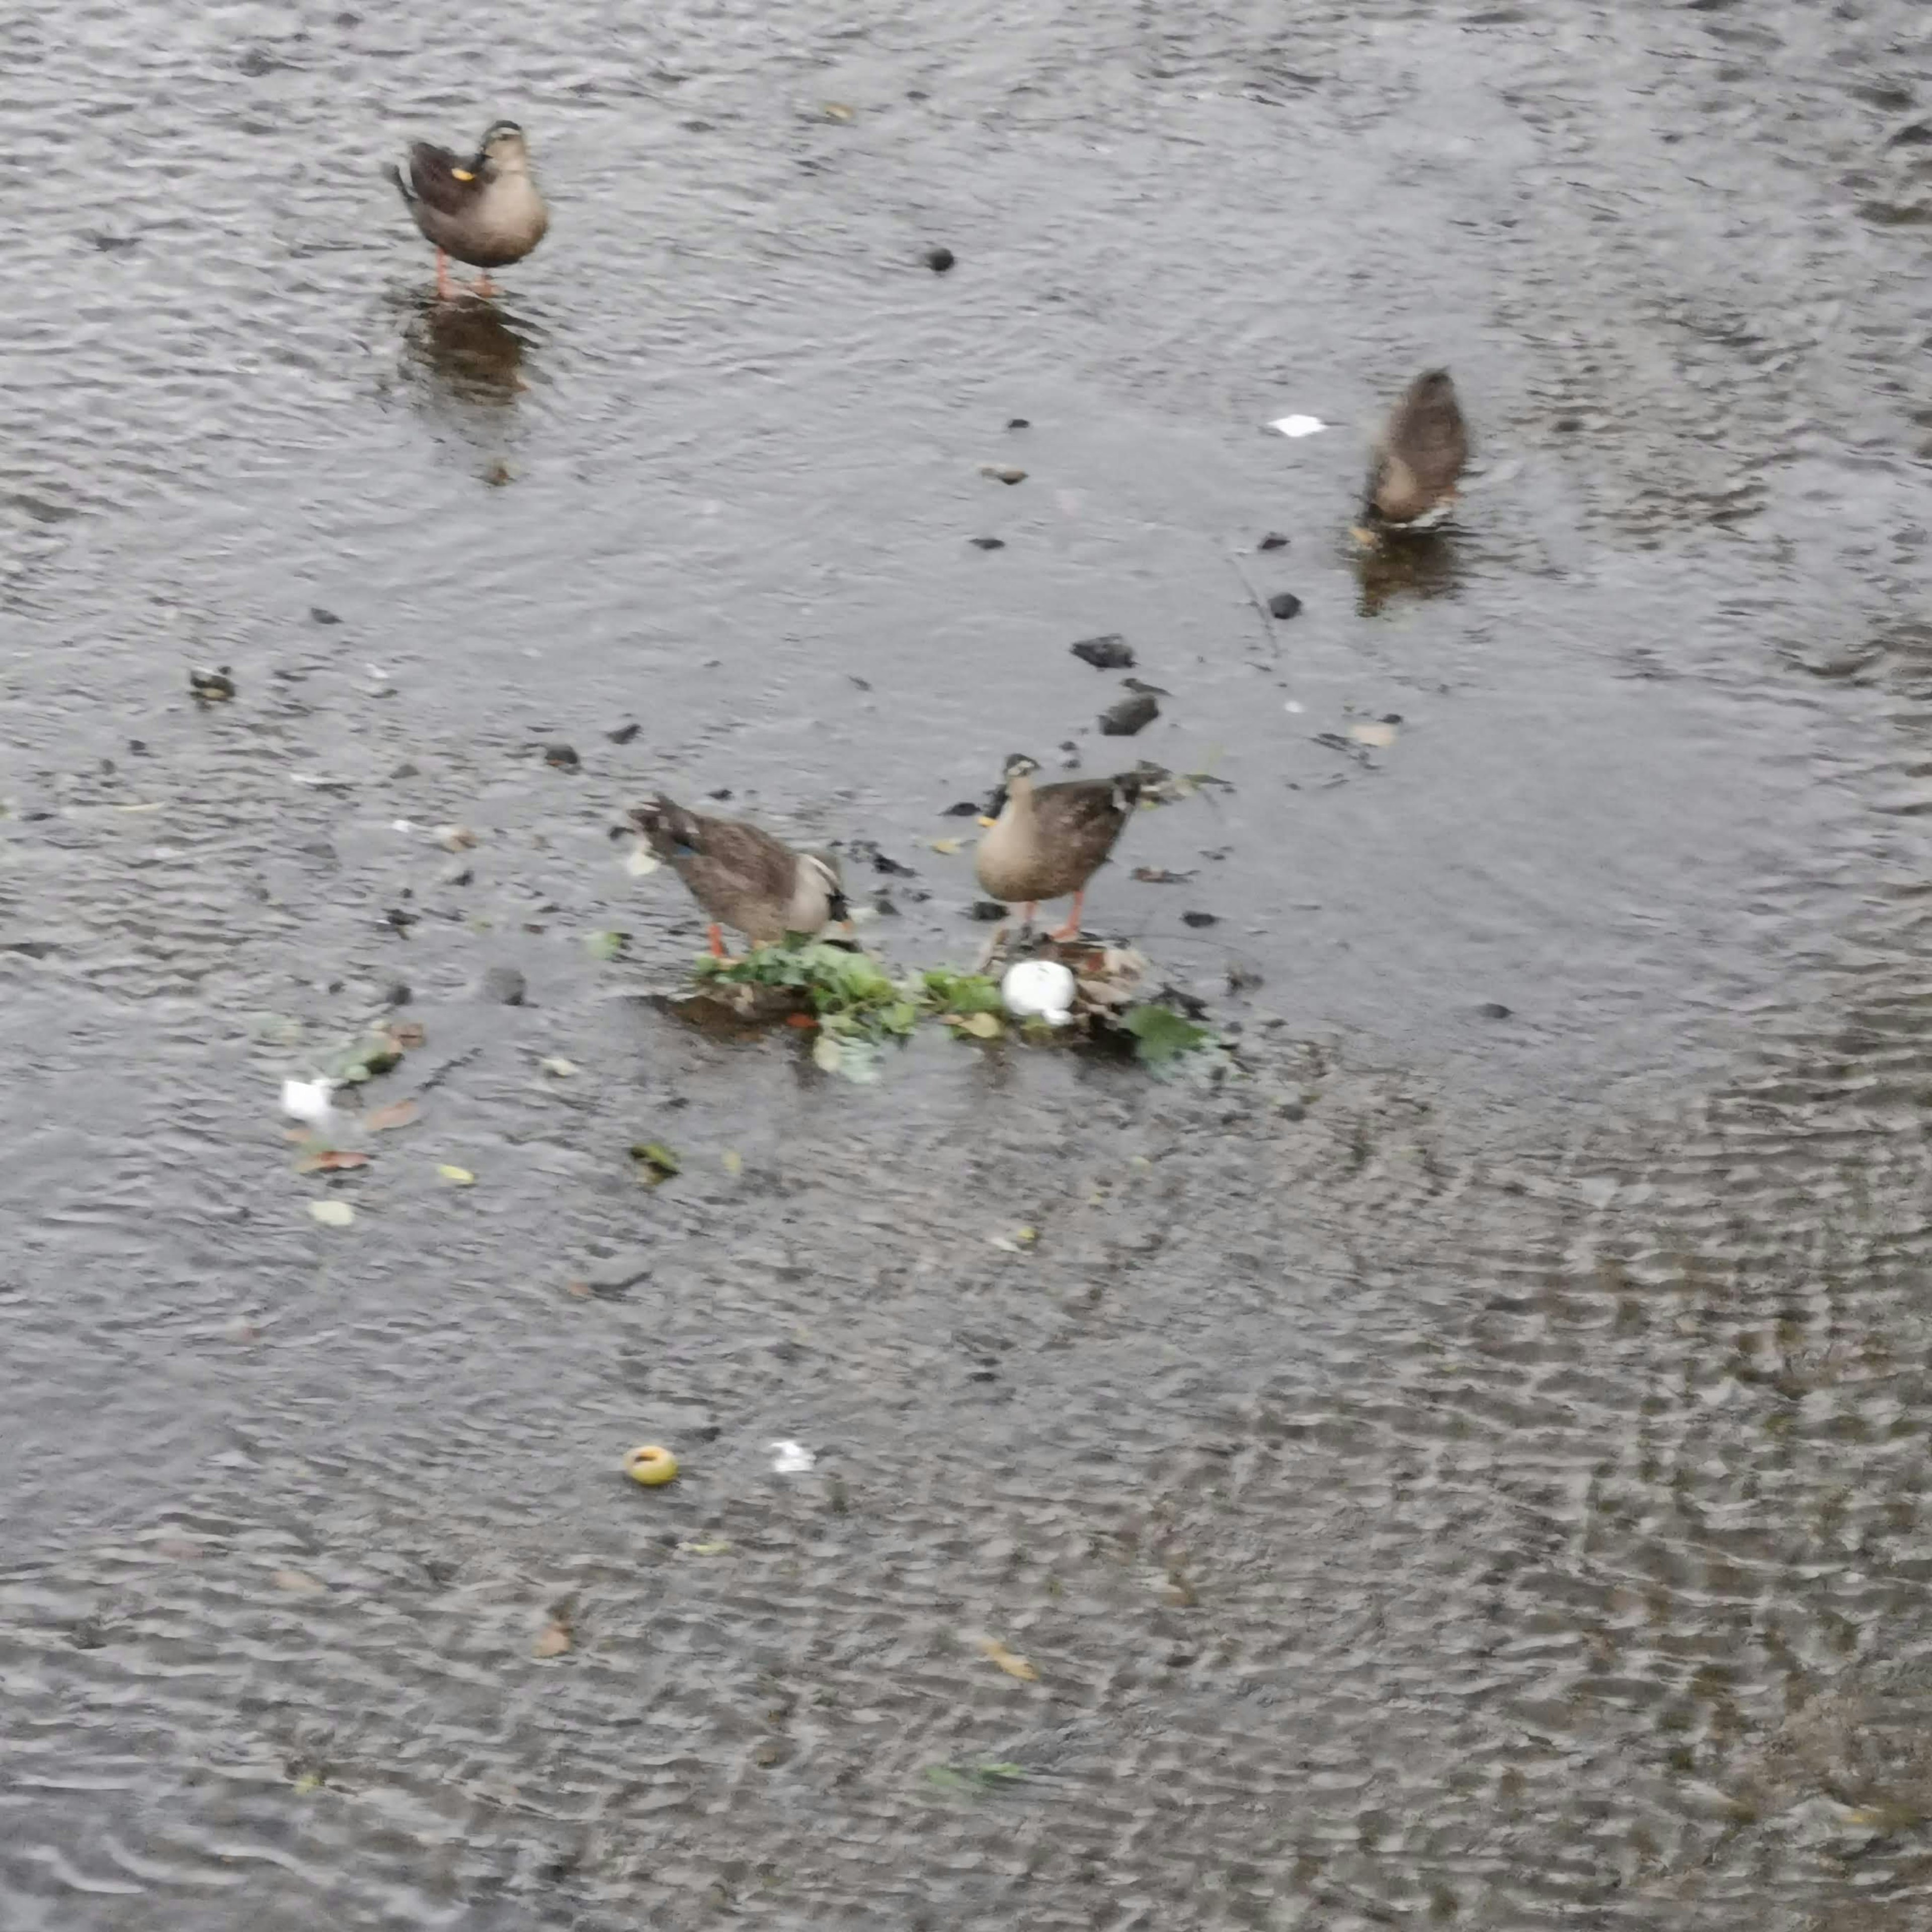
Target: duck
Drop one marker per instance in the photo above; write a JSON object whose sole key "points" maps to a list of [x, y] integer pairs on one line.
{"points": [[1418, 458], [1045, 841], [742, 877], [486, 211]]}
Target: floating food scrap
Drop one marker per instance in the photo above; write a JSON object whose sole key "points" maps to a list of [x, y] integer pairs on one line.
{"points": [[791, 1459], [652, 1465], [1011, 1662], [1298, 426], [332, 1214], [308, 1100], [1039, 988]]}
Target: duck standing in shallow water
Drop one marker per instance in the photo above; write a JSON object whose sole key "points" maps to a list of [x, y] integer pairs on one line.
{"points": [[1048, 841], [486, 211], [1418, 459], [741, 876]]}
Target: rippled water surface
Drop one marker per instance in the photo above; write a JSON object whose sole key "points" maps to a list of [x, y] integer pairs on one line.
{"points": [[1465, 1470]]}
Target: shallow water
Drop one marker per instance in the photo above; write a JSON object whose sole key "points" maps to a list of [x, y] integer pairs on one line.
{"points": [[1467, 1471]]}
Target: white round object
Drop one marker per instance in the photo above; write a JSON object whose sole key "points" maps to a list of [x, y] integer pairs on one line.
{"points": [[1039, 987], [307, 1100]]}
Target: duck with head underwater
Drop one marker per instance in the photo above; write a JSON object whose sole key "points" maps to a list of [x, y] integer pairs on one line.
{"points": [[1045, 842], [1417, 460], [741, 876], [485, 211]]}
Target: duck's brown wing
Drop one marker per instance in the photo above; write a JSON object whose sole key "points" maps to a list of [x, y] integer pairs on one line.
{"points": [[432, 179], [1083, 817], [735, 871], [1427, 432]]}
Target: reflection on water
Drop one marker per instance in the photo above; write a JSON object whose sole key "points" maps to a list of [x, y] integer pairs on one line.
{"points": [[1405, 566], [469, 350], [464, 364]]}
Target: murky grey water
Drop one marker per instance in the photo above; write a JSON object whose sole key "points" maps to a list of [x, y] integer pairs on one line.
{"points": [[1468, 1472]]}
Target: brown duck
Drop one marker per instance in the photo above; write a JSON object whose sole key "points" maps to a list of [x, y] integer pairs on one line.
{"points": [[486, 211], [1419, 457], [1048, 841], [741, 876]]}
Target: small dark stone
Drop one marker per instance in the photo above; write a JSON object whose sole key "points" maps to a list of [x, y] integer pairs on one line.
{"points": [[721, 794], [1134, 713], [1200, 918], [988, 543], [1018, 422], [398, 993], [967, 808], [883, 905], [317, 615], [139, 746], [938, 260], [1274, 540], [857, 683], [400, 919], [1111, 653], [987, 910], [459, 875], [1284, 604], [1493, 1009], [1000, 473], [504, 984], [562, 756], [622, 734], [407, 770], [1150, 690], [107, 767]]}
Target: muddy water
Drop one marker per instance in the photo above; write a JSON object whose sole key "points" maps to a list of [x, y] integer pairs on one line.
{"points": [[1466, 1472]]}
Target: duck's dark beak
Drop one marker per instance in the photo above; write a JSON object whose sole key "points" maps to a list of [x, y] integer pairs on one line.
{"points": [[995, 806]]}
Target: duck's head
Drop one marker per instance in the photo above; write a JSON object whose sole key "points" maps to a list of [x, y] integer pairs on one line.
{"points": [[826, 864], [1019, 769], [504, 150]]}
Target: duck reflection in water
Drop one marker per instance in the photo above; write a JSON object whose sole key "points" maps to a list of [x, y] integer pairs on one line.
{"points": [[1420, 567], [469, 352]]}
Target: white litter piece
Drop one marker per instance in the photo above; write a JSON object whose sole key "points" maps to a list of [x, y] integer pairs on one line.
{"points": [[1298, 425], [402, 825], [1041, 987], [1292, 705], [640, 861], [308, 1100], [791, 1459]]}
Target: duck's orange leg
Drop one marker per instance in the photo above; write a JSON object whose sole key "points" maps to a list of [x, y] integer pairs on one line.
{"points": [[444, 292], [717, 934], [1071, 930]]}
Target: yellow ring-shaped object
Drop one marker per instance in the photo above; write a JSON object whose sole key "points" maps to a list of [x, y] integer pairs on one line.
{"points": [[651, 1466]]}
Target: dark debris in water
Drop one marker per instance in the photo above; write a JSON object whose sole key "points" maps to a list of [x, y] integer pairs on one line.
{"points": [[1129, 714], [1110, 652]]}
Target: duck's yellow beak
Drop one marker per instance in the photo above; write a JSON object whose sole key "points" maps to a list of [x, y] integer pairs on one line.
{"points": [[463, 174]]}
